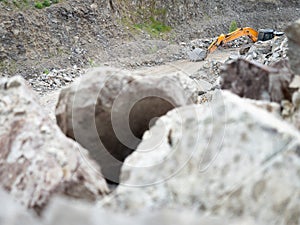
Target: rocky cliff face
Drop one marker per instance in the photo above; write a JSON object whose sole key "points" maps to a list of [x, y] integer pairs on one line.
{"points": [[209, 18], [83, 32]]}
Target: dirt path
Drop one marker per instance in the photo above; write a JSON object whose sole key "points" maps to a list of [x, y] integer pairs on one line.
{"points": [[49, 100], [186, 66]]}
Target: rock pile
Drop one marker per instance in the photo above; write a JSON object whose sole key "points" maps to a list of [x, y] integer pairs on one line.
{"points": [[268, 52], [54, 79]]}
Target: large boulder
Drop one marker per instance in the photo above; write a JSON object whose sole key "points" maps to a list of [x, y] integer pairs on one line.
{"points": [[197, 54], [108, 111], [226, 158], [36, 159], [253, 80], [293, 34]]}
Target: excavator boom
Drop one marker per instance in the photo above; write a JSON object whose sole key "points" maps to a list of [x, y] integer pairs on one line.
{"points": [[224, 38]]}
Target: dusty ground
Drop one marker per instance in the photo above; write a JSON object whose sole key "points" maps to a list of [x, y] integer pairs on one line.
{"points": [[49, 100]]}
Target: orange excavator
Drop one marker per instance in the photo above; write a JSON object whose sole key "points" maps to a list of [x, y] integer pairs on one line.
{"points": [[261, 35]]}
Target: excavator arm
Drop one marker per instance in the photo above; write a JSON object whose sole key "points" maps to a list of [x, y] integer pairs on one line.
{"points": [[224, 38]]}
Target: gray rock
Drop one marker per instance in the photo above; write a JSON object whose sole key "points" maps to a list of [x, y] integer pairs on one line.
{"points": [[293, 34], [36, 159], [227, 158], [197, 54], [256, 81], [108, 110], [261, 47]]}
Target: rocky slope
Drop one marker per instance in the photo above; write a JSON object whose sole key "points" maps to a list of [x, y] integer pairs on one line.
{"points": [[89, 33]]}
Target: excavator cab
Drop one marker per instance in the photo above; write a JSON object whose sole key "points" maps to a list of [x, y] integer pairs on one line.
{"points": [[268, 34], [265, 34]]}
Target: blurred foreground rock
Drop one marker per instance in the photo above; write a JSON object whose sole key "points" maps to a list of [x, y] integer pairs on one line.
{"points": [[293, 34], [226, 158], [12, 213], [36, 159], [65, 211], [108, 110], [253, 80]]}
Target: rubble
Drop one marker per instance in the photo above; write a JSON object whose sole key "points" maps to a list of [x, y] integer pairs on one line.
{"points": [[108, 110], [54, 79], [224, 158], [36, 160], [267, 52]]}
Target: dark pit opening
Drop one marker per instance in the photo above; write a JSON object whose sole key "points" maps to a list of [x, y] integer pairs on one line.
{"points": [[142, 116]]}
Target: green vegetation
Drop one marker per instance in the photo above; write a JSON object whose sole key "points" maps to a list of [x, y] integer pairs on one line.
{"points": [[91, 62], [145, 17], [45, 3], [46, 71], [153, 27], [233, 26], [28, 4], [38, 5]]}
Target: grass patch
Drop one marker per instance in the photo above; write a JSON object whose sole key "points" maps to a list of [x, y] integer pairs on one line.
{"points": [[38, 5], [27, 4], [44, 4], [153, 27]]}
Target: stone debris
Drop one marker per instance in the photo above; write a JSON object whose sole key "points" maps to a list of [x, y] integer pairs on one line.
{"points": [[267, 52], [36, 160], [54, 79]]}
